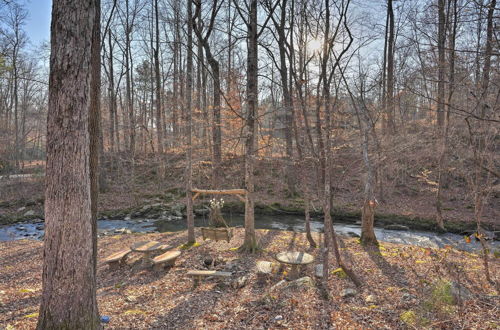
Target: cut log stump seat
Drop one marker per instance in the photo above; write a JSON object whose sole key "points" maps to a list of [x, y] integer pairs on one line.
{"points": [[117, 259], [166, 259], [265, 269], [197, 275]]}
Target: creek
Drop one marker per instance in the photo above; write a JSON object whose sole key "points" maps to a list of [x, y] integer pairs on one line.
{"points": [[284, 222]]}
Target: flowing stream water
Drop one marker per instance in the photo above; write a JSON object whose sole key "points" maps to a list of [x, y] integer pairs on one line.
{"points": [[284, 222]]}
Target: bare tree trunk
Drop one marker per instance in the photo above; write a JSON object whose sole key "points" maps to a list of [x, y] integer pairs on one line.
{"points": [[380, 167], [287, 98], [307, 211], [368, 212], [300, 79], [477, 65], [441, 62], [442, 172], [390, 71], [203, 106], [298, 140], [324, 148], [117, 123], [189, 90], [330, 236], [319, 133], [384, 75], [95, 129], [480, 143], [111, 94], [230, 27], [199, 70], [69, 268], [327, 229], [159, 125], [487, 58], [128, 68], [215, 67], [175, 100], [250, 243], [15, 83]]}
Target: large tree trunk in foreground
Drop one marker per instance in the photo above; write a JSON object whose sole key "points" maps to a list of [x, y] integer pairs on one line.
{"points": [[69, 278]]}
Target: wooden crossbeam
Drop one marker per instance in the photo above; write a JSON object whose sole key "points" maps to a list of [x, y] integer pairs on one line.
{"points": [[221, 192]]}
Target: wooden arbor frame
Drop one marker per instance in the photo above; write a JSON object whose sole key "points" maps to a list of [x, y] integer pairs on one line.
{"points": [[219, 233]]}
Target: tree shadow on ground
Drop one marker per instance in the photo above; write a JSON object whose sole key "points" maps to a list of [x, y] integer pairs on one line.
{"points": [[318, 240], [457, 273], [16, 307], [25, 275], [197, 303], [135, 273], [292, 243], [393, 273], [13, 260], [267, 239], [345, 254]]}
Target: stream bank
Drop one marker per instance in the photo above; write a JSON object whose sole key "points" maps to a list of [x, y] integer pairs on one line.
{"points": [[291, 223], [32, 212]]}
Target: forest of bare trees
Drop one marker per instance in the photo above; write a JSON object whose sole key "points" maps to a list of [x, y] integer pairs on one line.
{"points": [[332, 106]]}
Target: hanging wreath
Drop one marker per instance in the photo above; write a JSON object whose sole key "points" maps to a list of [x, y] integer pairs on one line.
{"points": [[215, 216]]}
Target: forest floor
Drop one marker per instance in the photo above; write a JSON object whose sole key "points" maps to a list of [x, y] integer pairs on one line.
{"points": [[402, 287]]}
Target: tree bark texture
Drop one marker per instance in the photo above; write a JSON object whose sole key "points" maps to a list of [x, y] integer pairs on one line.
{"points": [[69, 278]]}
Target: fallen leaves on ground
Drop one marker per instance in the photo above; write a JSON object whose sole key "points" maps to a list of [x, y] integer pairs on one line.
{"points": [[400, 279]]}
